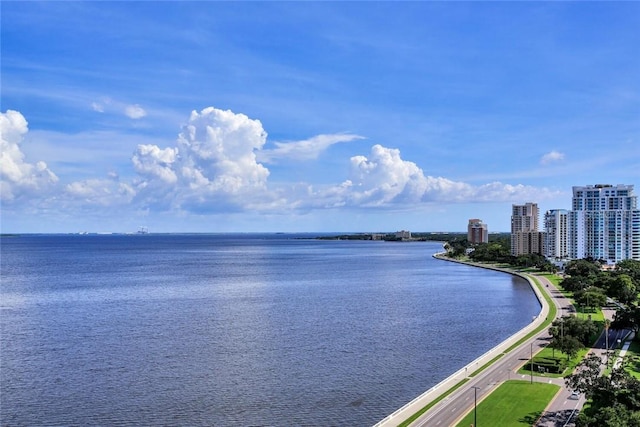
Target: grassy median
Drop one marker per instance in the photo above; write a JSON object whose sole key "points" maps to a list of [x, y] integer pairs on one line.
{"points": [[544, 325], [514, 403]]}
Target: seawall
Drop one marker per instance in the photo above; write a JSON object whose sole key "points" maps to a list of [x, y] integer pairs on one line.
{"points": [[411, 408]]}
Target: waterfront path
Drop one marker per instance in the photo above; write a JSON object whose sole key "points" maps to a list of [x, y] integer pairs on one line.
{"points": [[473, 388]]}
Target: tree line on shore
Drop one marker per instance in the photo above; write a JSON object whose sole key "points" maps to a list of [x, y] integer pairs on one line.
{"points": [[497, 250]]}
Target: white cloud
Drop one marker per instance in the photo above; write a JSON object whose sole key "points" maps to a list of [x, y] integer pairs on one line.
{"points": [[385, 180], [214, 167], [307, 149], [97, 107], [385, 177], [153, 162], [552, 157], [101, 192], [134, 111], [18, 177], [221, 147]]}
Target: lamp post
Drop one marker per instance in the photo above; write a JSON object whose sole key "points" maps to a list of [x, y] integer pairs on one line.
{"points": [[531, 363], [606, 338], [475, 406]]}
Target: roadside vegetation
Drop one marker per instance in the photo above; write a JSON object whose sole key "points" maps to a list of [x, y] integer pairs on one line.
{"points": [[514, 403], [613, 397]]}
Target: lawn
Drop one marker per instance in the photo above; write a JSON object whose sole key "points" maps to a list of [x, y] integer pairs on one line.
{"points": [[514, 403], [633, 360], [553, 278], [548, 352], [595, 315]]}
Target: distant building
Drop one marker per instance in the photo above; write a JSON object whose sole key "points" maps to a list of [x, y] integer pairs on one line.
{"points": [[403, 235], [556, 228], [604, 223], [477, 231], [525, 237]]}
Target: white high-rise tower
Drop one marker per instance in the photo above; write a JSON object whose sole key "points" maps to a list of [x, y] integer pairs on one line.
{"points": [[604, 223], [556, 227]]}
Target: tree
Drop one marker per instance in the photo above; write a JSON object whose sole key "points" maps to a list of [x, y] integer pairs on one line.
{"points": [[585, 378], [616, 415], [582, 268], [623, 289], [615, 400], [591, 297], [570, 346], [490, 252], [628, 318], [629, 267], [570, 326], [575, 283]]}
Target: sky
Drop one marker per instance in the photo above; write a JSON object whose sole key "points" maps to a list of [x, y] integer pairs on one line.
{"points": [[310, 116]]}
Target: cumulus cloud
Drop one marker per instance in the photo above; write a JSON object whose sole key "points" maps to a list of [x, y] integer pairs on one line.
{"points": [[101, 192], [385, 180], [215, 166], [135, 111], [220, 146], [307, 149], [153, 162], [384, 177], [552, 157], [17, 176]]}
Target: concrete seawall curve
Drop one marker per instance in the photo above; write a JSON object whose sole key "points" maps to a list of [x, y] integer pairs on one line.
{"points": [[414, 406]]}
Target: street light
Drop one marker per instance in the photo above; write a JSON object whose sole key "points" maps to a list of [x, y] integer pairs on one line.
{"points": [[475, 406], [606, 338], [531, 363]]}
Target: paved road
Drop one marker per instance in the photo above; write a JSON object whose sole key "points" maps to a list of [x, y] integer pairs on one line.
{"points": [[449, 411], [562, 410]]}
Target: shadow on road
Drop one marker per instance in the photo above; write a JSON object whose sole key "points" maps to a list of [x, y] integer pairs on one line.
{"points": [[555, 419]]}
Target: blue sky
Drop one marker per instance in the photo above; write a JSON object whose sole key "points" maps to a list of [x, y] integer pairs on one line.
{"points": [[311, 116]]}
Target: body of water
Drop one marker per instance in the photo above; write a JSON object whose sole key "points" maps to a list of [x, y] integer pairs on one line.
{"points": [[237, 330]]}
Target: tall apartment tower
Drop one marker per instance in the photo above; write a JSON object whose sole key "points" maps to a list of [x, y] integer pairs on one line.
{"points": [[477, 231], [525, 237], [604, 223], [556, 229]]}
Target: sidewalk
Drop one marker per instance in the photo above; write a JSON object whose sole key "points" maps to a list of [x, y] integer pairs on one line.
{"points": [[562, 409], [623, 351]]}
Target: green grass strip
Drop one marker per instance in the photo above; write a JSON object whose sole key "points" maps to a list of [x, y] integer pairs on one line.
{"points": [[552, 314], [633, 359], [514, 403], [415, 416]]}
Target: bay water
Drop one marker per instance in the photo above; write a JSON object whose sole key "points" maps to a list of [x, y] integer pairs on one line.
{"points": [[237, 329]]}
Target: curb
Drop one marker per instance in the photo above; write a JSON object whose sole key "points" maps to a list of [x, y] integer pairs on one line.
{"points": [[402, 414]]}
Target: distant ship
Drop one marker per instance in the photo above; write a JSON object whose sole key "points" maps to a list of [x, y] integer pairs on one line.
{"points": [[143, 230]]}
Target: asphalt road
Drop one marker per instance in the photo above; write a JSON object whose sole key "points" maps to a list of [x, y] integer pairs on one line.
{"points": [[449, 411], [562, 410]]}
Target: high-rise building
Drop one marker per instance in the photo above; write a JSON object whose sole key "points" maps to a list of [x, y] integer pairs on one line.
{"points": [[556, 229], [525, 237], [604, 223], [477, 231]]}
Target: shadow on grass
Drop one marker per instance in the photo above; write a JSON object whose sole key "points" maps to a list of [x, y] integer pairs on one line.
{"points": [[531, 418]]}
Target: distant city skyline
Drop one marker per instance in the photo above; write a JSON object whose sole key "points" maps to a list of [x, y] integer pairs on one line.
{"points": [[310, 116]]}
